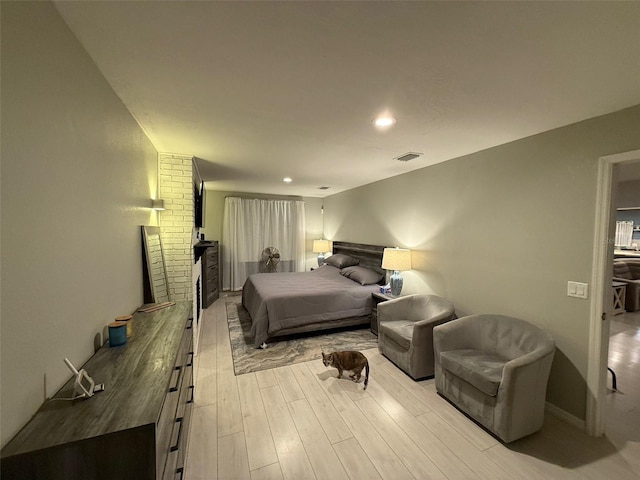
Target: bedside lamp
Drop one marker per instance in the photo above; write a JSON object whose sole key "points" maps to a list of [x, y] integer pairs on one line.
{"points": [[396, 259], [321, 247]]}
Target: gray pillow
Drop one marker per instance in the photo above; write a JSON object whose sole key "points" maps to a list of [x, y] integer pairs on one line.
{"points": [[362, 275], [339, 260]]}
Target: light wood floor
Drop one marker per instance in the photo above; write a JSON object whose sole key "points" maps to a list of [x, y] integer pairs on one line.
{"points": [[300, 422]]}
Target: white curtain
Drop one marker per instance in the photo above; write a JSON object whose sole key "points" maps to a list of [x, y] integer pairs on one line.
{"points": [[251, 225]]}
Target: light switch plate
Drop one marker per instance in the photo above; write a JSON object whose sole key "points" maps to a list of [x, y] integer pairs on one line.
{"points": [[578, 290]]}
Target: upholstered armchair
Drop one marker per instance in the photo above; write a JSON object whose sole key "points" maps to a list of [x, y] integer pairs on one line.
{"points": [[405, 331], [495, 369], [627, 270]]}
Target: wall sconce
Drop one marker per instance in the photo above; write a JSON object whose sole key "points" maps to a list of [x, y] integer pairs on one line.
{"points": [[321, 247], [396, 259], [157, 204]]}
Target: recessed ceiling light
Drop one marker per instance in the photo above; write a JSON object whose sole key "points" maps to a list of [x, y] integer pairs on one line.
{"points": [[287, 180], [384, 121]]}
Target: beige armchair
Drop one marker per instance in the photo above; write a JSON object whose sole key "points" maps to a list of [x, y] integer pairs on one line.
{"points": [[405, 332], [495, 369]]}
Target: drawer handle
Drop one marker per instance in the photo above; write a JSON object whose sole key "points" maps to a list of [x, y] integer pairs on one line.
{"points": [[181, 472], [175, 388], [190, 361], [177, 445], [190, 324], [193, 391]]}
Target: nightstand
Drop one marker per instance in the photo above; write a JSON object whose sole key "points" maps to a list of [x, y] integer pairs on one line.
{"points": [[376, 298]]}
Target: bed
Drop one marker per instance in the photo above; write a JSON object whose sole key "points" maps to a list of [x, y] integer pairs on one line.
{"points": [[335, 295]]}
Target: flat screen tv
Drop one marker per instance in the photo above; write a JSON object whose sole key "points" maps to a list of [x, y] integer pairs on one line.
{"points": [[198, 200]]}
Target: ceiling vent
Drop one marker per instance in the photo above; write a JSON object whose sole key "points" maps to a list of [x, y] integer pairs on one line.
{"points": [[324, 188], [407, 156]]}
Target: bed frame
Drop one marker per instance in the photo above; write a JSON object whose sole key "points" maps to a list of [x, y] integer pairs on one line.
{"points": [[370, 256]]}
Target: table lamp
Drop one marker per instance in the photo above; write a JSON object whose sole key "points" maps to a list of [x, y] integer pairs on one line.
{"points": [[396, 259], [321, 247]]}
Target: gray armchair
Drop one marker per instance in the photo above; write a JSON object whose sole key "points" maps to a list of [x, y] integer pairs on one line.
{"points": [[495, 369], [405, 332]]}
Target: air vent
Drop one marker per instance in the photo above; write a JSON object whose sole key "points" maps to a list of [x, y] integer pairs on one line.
{"points": [[324, 188], [408, 156]]}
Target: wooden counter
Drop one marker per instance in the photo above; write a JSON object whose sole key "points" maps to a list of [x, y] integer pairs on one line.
{"points": [[136, 428]]}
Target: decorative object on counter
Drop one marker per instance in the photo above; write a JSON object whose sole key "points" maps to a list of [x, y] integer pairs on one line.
{"points": [[117, 334], [84, 386], [126, 318], [156, 306], [321, 247], [396, 259]]}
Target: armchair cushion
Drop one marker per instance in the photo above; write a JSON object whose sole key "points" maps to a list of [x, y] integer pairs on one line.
{"points": [[482, 370], [400, 331]]}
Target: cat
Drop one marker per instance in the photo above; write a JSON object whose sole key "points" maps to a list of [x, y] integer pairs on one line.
{"points": [[348, 360]]}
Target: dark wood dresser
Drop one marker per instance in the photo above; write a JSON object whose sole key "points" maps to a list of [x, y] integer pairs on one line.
{"points": [[209, 252], [137, 428]]}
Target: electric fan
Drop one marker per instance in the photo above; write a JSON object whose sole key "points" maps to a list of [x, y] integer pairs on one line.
{"points": [[269, 260]]}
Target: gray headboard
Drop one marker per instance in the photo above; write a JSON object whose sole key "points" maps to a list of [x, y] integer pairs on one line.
{"points": [[370, 256]]}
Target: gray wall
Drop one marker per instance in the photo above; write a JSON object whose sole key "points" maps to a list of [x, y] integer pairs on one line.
{"points": [[77, 179], [501, 231], [214, 212]]}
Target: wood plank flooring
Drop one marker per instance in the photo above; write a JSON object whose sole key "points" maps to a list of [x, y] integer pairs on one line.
{"points": [[300, 422]]}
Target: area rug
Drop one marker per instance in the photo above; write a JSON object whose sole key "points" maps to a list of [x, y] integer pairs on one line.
{"points": [[289, 350]]}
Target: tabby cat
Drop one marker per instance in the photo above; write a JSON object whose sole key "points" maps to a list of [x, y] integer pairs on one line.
{"points": [[348, 360]]}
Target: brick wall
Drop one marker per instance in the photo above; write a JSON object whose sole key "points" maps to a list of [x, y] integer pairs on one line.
{"points": [[177, 221]]}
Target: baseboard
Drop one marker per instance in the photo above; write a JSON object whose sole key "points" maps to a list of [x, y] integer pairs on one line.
{"points": [[565, 416]]}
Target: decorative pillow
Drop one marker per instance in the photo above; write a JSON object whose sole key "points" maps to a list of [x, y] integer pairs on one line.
{"points": [[339, 260], [362, 275]]}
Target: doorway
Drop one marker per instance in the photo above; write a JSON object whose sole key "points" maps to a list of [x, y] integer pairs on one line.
{"points": [[601, 280]]}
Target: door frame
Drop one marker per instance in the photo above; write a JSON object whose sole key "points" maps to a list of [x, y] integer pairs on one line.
{"points": [[601, 279]]}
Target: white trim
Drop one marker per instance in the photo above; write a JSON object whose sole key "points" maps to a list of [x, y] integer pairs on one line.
{"points": [[598, 346], [565, 416]]}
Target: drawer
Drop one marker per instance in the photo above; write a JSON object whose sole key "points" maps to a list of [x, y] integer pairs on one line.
{"points": [[170, 409], [167, 419], [180, 432], [210, 271]]}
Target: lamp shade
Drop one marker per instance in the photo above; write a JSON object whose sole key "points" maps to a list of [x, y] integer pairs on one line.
{"points": [[321, 246], [396, 259]]}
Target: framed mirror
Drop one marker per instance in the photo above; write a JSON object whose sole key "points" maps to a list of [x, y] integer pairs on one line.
{"points": [[156, 287]]}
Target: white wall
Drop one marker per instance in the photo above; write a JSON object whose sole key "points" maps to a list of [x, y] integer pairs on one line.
{"points": [[501, 231], [77, 178], [214, 211]]}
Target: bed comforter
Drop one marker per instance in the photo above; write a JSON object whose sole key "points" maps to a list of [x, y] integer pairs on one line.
{"points": [[282, 301]]}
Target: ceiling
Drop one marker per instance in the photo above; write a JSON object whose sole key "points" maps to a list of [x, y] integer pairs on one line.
{"points": [[258, 91]]}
